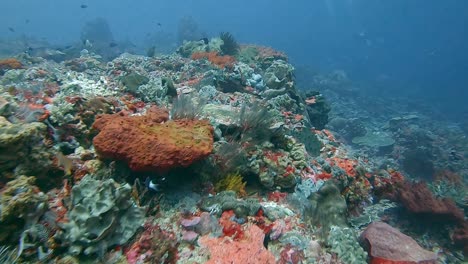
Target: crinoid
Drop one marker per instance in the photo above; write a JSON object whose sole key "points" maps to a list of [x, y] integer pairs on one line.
{"points": [[230, 45]]}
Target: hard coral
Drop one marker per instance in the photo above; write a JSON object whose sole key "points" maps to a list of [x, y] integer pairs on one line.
{"points": [[246, 251], [148, 143]]}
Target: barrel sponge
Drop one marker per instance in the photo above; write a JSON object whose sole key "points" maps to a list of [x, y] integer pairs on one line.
{"points": [[151, 142]]}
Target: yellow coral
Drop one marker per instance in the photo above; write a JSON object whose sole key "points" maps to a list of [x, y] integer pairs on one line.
{"points": [[232, 182]]}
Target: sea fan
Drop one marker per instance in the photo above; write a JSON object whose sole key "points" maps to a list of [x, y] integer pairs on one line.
{"points": [[230, 45]]}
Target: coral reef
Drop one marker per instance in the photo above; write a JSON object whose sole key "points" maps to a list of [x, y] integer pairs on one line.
{"points": [[240, 159], [227, 200], [133, 81], [317, 109], [18, 142]]}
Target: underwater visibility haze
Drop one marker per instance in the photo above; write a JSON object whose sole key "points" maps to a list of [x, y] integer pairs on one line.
{"points": [[267, 131]]}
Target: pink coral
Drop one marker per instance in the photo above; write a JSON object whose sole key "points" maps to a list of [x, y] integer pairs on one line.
{"points": [[249, 250]]}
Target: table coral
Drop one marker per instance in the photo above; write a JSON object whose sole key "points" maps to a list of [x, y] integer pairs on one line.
{"points": [[148, 143], [247, 251]]}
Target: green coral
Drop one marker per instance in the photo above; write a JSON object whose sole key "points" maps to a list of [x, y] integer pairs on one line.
{"points": [[61, 111], [102, 214], [344, 243], [189, 47]]}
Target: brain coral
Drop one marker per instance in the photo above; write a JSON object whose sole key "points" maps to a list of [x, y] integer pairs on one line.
{"points": [[151, 142]]}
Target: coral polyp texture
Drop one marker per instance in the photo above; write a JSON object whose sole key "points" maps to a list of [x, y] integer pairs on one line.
{"points": [[152, 142]]}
